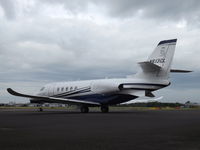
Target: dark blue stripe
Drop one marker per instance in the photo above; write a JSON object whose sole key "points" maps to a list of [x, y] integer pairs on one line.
{"points": [[167, 41], [105, 99], [76, 92]]}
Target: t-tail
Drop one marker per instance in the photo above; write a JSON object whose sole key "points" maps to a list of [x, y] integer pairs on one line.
{"points": [[158, 65]]}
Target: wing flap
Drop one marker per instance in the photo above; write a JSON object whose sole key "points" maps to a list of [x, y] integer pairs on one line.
{"points": [[53, 99]]}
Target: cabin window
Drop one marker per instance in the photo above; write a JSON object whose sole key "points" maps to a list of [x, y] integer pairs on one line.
{"points": [[62, 89], [66, 89], [42, 88], [71, 88], [58, 89], [75, 88]]}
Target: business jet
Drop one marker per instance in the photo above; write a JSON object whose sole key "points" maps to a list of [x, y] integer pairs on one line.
{"points": [[153, 75]]}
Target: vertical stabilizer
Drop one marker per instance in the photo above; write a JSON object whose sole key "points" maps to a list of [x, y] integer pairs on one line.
{"points": [[159, 62]]}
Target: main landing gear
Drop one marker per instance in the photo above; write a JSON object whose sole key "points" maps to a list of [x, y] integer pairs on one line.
{"points": [[41, 109], [104, 109], [84, 109]]}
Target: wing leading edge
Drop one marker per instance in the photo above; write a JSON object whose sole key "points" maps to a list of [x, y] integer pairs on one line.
{"points": [[53, 99]]}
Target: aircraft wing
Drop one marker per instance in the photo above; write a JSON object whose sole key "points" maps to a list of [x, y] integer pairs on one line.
{"points": [[53, 99]]}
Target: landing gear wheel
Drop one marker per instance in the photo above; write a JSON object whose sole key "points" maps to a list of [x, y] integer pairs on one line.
{"points": [[84, 109], [40, 109], [104, 109]]}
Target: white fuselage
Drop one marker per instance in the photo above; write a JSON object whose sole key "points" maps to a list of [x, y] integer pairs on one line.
{"points": [[104, 91]]}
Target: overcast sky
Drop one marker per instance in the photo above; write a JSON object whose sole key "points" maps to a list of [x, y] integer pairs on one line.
{"points": [[44, 41]]}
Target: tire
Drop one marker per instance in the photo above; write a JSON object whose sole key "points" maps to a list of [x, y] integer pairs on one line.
{"points": [[84, 109], [104, 109]]}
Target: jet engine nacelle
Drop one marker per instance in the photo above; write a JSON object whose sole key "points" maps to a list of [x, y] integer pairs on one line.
{"points": [[104, 87]]}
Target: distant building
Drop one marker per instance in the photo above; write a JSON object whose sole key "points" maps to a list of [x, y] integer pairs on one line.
{"points": [[47, 105], [189, 104]]}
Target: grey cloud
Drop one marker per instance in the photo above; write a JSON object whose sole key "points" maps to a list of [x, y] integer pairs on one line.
{"points": [[49, 46], [154, 9], [74, 6], [9, 8]]}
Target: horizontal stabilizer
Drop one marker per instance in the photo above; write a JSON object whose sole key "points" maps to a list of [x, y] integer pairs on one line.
{"points": [[149, 67], [53, 99], [179, 71], [140, 93]]}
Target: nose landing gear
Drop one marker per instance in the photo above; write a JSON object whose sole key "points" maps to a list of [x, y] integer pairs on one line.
{"points": [[84, 109], [40, 109]]}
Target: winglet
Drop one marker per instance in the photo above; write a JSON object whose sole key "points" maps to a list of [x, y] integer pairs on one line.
{"points": [[12, 92]]}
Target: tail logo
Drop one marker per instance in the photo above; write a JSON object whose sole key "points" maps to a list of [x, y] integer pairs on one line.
{"points": [[163, 52]]}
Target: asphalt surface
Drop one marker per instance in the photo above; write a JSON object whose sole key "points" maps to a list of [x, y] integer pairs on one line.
{"points": [[152, 129]]}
